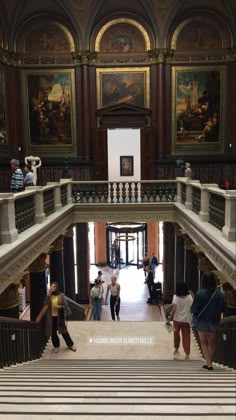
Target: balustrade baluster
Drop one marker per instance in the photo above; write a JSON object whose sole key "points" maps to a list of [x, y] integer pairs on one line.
{"points": [[123, 192]]}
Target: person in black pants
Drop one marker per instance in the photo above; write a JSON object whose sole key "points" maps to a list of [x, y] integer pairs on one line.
{"points": [[114, 289], [150, 282], [56, 317]]}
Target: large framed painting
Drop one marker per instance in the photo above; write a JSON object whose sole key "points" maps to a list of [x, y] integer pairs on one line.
{"points": [[123, 85], [3, 127], [198, 109], [49, 108]]}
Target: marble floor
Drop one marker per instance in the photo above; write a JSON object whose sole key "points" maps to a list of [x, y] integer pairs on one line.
{"points": [[134, 293]]}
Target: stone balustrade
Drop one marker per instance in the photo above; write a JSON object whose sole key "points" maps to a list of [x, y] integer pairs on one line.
{"points": [[212, 204], [18, 212]]}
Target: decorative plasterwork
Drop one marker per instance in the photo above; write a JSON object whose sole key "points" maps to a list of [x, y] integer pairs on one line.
{"points": [[122, 20], [12, 270], [207, 247]]}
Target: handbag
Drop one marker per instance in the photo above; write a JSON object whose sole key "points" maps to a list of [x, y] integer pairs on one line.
{"points": [[193, 318]]}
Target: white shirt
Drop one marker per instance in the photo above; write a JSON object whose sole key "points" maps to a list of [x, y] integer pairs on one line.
{"points": [[183, 303], [97, 292]]}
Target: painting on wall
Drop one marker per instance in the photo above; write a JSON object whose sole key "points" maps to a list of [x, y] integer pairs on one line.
{"points": [[123, 85], [126, 165], [3, 129], [50, 105], [198, 108]]}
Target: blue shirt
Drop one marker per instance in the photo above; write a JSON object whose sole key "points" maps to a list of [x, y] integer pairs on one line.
{"points": [[28, 179], [17, 181]]}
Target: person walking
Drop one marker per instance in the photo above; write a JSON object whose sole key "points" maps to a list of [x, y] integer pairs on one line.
{"points": [[180, 314], [145, 262], [17, 179], [28, 179], [56, 317], [150, 282], [154, 263], [114, 289], [207, 307], [96, 299]]}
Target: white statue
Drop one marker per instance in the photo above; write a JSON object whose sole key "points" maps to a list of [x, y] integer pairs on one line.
{"points": [[35, 163]]}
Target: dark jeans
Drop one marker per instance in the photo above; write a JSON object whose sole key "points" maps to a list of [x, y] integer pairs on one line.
{"points": [[113, 300], [55, 338]]}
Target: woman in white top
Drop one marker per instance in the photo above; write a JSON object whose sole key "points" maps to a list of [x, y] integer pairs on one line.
{"points": [[182, 302], [96, 298], [114, 289]]}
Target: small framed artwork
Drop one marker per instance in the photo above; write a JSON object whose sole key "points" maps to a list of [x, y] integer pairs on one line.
{"points": [[126, 165]]}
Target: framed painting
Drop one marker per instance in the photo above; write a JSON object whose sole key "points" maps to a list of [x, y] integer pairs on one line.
{"points": [[126, 166], [3, 125], [198, 109], [123, 85], [49, 107]]}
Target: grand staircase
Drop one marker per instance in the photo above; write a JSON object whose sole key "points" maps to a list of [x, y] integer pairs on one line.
{"points": [[116, 389]]}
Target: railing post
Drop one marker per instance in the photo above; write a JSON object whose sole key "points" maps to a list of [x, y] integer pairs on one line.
{"points": [[189, 192], [40, 216], [205, 196], [57, 197], [68, 181], [179, 187], [9, 232], [229, 229]]}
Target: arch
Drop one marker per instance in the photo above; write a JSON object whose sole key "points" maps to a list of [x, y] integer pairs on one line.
{"points": [[123, 21], [189, 33], [56, 37]]}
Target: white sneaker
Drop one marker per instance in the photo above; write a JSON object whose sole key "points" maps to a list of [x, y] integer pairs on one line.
{"points": [[176, 355], [56, 349]]}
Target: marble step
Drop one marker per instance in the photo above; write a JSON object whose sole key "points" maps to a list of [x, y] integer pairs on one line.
{"points": [[155, 416], [121, 393], [117, 408]]}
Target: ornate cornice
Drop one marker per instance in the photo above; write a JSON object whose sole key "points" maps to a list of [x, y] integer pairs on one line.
{"points": [[9, 58], [161, 55], [28, 253], [206, 247]]}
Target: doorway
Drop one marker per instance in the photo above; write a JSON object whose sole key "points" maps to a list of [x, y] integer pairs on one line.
{"points": [[126, 244]]}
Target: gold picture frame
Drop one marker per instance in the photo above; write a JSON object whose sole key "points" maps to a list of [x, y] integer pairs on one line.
{"points": [[198, 109], [129, 85], [49, 112]]}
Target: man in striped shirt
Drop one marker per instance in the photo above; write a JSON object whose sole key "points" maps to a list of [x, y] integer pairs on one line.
{"points": [[17, 179]]}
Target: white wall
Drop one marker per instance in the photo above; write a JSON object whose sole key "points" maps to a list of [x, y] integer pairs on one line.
{"points": [[123, 142]]}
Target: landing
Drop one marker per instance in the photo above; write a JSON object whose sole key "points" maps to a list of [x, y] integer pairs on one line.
{"points": [[120, 340]]}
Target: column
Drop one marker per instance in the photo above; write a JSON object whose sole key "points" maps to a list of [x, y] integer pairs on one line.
{"points": [[100, 239], [38, 286], [168, 261], [190, 265], [83, 262], [153, 239], [179, 255], [69, 263], [57, 263]]}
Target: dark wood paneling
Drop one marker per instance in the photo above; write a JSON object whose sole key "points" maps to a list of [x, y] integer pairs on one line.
{"points": [[147, 154], [100, 155]]}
